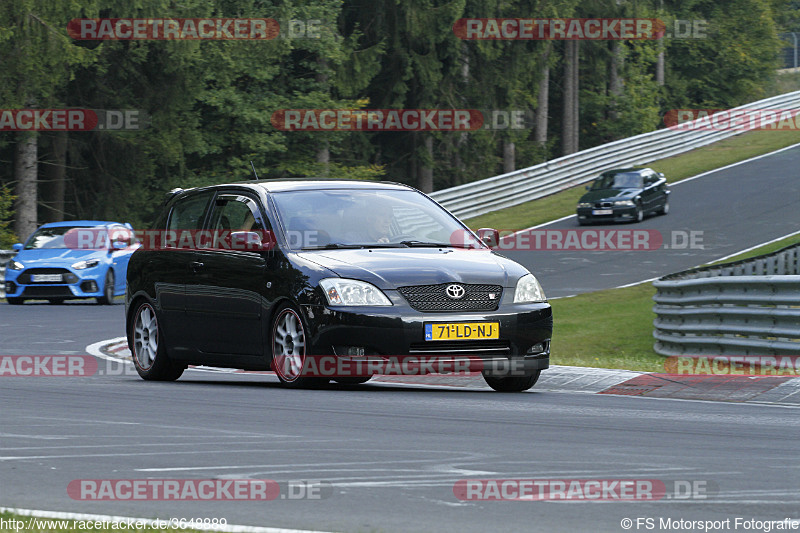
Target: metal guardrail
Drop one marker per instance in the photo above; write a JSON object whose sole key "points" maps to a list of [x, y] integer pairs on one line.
{"points": [[748, 307], [5, 257], [506, 190]]}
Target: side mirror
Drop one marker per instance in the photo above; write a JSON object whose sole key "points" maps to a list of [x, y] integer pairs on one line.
{"points": [[252, 241], [119, 245], [16, 247], [489, 236]]}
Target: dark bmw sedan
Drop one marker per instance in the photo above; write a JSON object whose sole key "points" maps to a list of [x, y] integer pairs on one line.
{"points": [[325, 280], [624, 195]]}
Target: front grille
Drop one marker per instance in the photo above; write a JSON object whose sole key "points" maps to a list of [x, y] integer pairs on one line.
{"points": [[461, 347], [66, 275], [44, 291], [433, 298], [604, 205]]}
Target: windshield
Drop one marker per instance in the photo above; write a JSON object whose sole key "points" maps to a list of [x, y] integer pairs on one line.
{"points": [[52, 238], [621, 180], [367, 218]]}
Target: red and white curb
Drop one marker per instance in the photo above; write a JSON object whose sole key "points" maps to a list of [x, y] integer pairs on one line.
{"points": [[782, 390]]}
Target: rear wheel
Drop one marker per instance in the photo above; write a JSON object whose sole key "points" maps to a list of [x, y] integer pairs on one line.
{"points": [[512, 384], [15, 301], [147, 347], [108, 290], [289, 349]]}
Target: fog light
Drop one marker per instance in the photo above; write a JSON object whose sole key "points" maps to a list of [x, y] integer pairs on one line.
{"points": [[539, 347], [89, 286]]}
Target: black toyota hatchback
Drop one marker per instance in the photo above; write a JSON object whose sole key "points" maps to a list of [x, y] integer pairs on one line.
{"points": [[283, 274]]}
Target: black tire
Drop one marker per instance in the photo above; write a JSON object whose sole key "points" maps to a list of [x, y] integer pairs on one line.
{"points": [[108, 290], [512, 384], [15, 301], [56, 301], [664, 210], [288, 342], [352, 381], [147, 347], [582, 222]]}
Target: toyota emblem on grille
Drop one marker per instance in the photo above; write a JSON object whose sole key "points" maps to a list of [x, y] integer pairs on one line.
{"points": [[456, 292]]}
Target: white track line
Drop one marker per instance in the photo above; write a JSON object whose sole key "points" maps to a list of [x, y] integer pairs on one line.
{"points": [[58, 515]]}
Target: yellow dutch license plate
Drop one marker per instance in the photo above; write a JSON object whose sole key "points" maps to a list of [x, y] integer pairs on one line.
{"points": [[462, 332]]}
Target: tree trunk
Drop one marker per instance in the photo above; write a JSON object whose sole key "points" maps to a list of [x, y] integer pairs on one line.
{"points": [[56, 176], [25, 174], [615, 81], [571, 114], [426, 169], [509, 156], [543, 100], [567, 111], [660, 64]]}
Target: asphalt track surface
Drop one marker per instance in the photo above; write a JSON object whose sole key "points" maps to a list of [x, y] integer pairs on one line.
{"points": [[392, 453], [728, 211]]}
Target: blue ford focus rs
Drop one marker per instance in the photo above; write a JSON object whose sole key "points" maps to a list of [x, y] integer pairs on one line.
{"points": [[68, 260]]}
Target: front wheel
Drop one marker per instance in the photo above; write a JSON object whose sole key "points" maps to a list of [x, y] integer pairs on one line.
{"points": [[639, 213], [147, 347], [664, 210], [108, 290], [288, 340], [512, 384]]}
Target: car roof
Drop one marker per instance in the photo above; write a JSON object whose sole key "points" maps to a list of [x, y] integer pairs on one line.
{"points": [[82, 223], [638, 170], [301, 184]]}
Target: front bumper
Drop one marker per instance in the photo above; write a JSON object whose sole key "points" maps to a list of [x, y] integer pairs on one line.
{"points": [[618, 214], [398, 332], [88, 284]]}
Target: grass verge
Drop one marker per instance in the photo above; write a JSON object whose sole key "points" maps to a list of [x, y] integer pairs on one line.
{"points": [[614, 328], [675, 168]]}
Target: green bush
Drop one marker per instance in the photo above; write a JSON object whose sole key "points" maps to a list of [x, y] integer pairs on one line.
{"points": [[7, 237]]}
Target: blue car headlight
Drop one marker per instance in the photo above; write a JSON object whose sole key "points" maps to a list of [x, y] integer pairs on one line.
{"points": [[80, 265]]}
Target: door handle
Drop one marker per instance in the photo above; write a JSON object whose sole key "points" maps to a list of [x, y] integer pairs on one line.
{"points": [[195, 266]]}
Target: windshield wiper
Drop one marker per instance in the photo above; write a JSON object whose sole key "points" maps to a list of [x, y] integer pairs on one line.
{"points": [[424, 244], [334, 246]]}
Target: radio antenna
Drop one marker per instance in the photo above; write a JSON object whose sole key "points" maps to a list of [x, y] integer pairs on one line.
{"points": [[254, 169]]}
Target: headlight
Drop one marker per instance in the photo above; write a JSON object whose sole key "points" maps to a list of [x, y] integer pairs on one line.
{"points": [[341, 291], [80, 265], [626, 203], [585, 204], [15, 265], [529, 290]]}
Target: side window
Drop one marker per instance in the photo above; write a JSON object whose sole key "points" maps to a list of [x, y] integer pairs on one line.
{"points": [[235, 213], [187, 213]]}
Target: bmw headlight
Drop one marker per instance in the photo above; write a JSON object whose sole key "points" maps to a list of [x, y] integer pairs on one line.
{"points": [[340, 291], [80, 265], [15, 265], [624, 203], [585, 204], [529, 290]]}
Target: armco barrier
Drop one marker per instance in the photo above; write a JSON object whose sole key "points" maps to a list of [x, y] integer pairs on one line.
{"points": [[748, 307], [506, 190], [5, 257]]}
